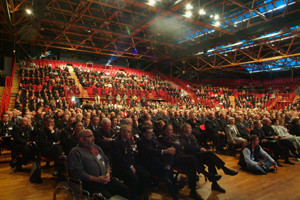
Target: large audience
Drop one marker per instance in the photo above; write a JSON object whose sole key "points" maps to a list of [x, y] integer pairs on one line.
{"points": [[142, 144]]}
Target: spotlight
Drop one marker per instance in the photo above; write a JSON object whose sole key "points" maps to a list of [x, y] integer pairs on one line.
{"points": [[216, 17], [211, 16], [189, 7], [217, 23], [29, 12], [152, 2], [202, 12], [188, 14]]}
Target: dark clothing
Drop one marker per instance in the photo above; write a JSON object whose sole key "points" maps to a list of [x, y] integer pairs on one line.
{"points": [[123, 159], [242, 162], [70, 143], [244, 132], [105, 145], [212, 128], [295, 130]]}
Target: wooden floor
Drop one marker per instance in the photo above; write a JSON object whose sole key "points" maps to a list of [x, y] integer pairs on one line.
{"points": [[281, 185]]}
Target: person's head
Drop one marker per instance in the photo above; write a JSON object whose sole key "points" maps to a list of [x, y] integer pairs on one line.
{"points": [[125, 132], [24, 121], [281, 121], [211, 115], [147, 117], [105, 124], [295, 121], [134, 118], [148, 123], [114, 121], [49, 121], [254, 140], [86, 137], [168, 130], [95, 120], [65, 117], [231, 121], [187, 129], [79, 117], [239, 118], [5, 117], [257, 124], [147, 132], [127, 121], [160, 124], [77, 127], [266, 121], [71, 121], [275, 122]]}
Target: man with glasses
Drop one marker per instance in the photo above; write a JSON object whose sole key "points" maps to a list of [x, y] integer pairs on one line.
{"points": [[88, 163]]}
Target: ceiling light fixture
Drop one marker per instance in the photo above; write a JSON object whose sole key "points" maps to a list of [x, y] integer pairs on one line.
{"points": [[152, 2], [189, 6], [202, 12], [188, 14], [29, 12], [217, 23], [216, 17]]}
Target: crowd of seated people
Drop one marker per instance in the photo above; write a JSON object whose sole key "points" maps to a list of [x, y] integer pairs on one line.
{"points": [[122, 131], [46, 76]]}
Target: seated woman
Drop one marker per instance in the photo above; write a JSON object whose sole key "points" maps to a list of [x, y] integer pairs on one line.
{"points": [[233, 135]]}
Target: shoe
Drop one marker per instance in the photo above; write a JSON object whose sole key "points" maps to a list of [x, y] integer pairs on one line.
{"points": [[213, 177], [195, 195], [215, 186], [288, 162], [296, 155], [297, 159], [13, 163], [18, 168], [271, 170], [230, 172], [278, 164]]}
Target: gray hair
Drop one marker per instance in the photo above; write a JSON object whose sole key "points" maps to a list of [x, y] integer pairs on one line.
{"points": [[126, 121], [105, 120], [230, 119], [124, 127], [83, 132]]}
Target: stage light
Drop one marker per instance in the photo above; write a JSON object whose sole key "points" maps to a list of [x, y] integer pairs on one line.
{"points": [[189, 7], [152, 2], [29, 12], [188, 14], [211, 16], [217, 23], [202, 12], [216, 17]]}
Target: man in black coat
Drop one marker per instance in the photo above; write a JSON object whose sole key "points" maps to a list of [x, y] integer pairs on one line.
{"points": [[242, 128], [94, 124], [182, 161], [104, 137], [215, 132], [124, 165], [72, 140], [157, 159], [22, 143], [67, 132], [48, 142], [191, 147], [6, 131]]}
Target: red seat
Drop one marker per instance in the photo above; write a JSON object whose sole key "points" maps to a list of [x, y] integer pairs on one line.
{"points": [[46, 159]]}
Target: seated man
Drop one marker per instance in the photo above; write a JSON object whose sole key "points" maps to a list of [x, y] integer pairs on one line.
{"points": [[233, 135], [6, 131], [125, 166], [104, 136], [215, 132], [185, 162], [88, 163], [242, 127], [191, 147], [48, 142], [156, 159], [249, 158], [22, 143], [72, 139]]}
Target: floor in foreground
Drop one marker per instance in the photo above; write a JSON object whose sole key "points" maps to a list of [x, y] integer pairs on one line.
{"points": [[281, 185]]}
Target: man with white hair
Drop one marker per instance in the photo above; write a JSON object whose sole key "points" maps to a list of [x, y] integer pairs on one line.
{"points": [[104, 136], [88, 163]]}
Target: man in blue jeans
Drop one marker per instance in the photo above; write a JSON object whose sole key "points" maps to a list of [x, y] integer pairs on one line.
{"points": [[249, 158]]}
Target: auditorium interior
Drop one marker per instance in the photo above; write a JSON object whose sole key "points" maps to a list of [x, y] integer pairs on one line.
{"points": [[150, 99]]}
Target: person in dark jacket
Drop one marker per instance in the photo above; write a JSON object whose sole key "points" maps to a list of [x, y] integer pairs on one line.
{"points": [[49, 143], [157, 159], [23, 143], [191, 147], [124, 165], [242, 128], [249, 158], [295, 127], [72, 139]]}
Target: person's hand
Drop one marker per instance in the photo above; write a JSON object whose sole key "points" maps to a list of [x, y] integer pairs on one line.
{"points": [[264, 140], [103, 179], [57, 143], [12, 139], [30, 126], [51, 128], [222, 133], [276, 167], [105, 139], [234, 142], [133, 169], [276, 137], [170, 150], [203, 149], [27, 143], [1, 139]]}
